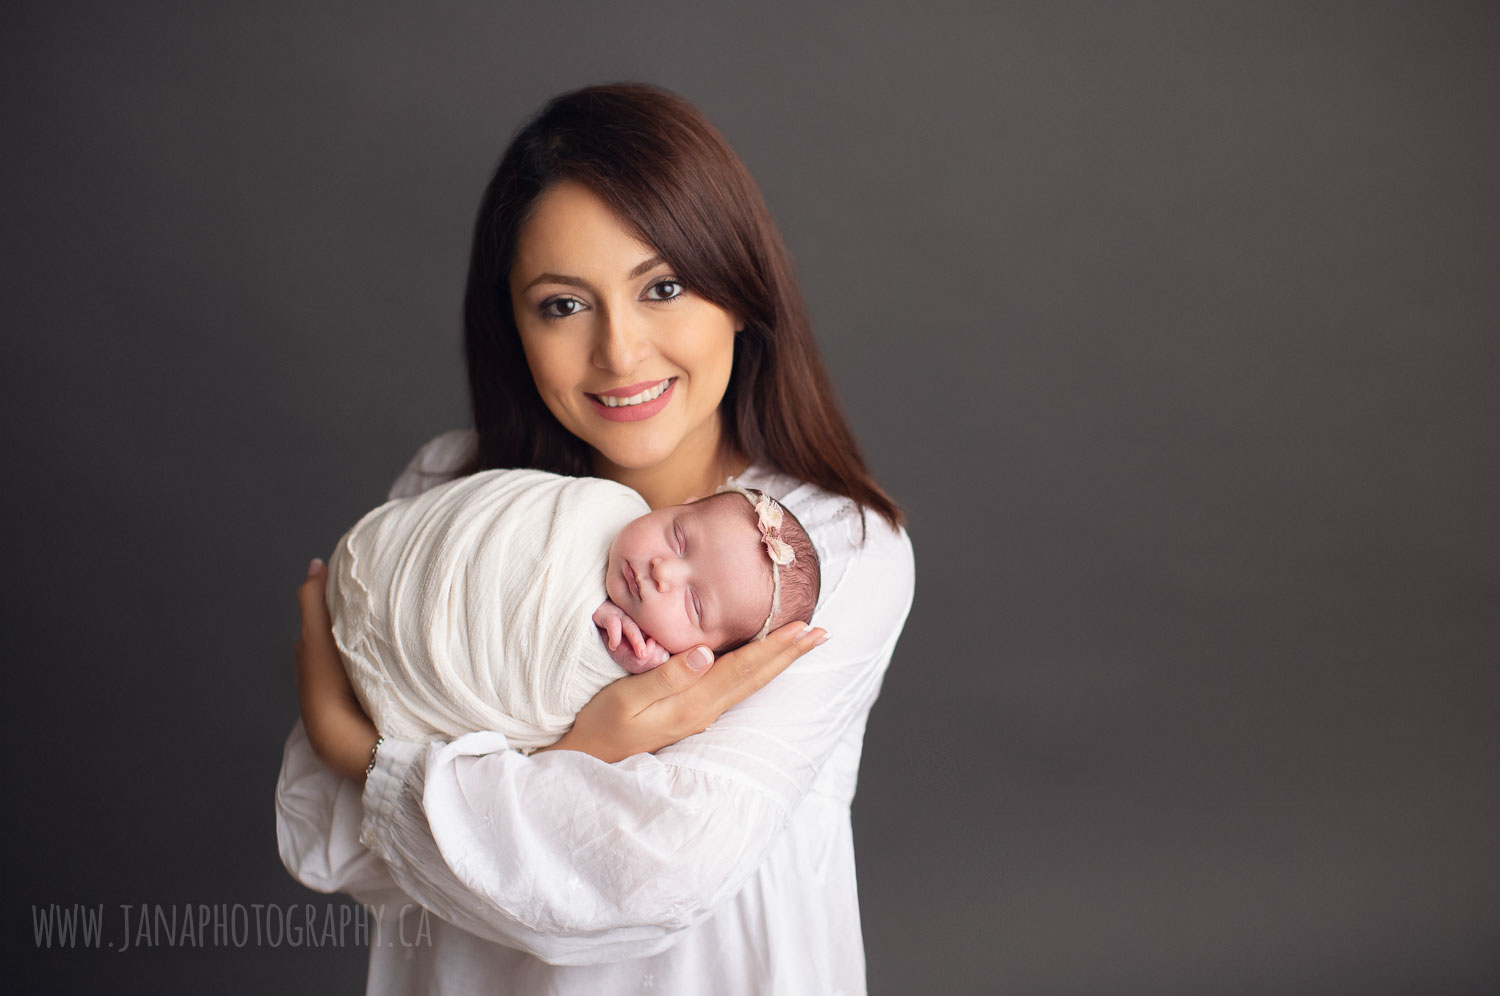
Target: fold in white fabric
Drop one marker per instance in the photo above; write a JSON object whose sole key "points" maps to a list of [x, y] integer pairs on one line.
{"points": [[469, 607]]}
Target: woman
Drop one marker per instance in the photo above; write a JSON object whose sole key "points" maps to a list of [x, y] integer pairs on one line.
{"points": [[630, 313]]}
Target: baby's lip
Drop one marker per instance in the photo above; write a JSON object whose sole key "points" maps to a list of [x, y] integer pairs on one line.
{"points": [[632, 582]]}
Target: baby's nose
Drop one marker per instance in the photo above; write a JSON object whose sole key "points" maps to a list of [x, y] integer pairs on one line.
{"points": [[666, 572]]}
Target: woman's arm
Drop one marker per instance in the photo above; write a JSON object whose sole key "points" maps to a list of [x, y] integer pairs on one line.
{"points": [[318, 815], [319, 809], [632, 715], [335, 723], [578, 861], [625, 722]]}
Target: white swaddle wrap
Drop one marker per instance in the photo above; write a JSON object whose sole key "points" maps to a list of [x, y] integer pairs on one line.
{"points": [[469, 607]]}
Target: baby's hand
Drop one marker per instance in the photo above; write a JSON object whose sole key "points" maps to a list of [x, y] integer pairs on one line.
{"points": [[631, 649]]}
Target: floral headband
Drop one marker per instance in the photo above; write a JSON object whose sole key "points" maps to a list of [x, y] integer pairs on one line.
{"points": [[768, 518]]}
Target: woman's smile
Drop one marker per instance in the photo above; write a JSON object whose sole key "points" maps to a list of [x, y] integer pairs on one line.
{"points": [[633, 403], [635, 394]]}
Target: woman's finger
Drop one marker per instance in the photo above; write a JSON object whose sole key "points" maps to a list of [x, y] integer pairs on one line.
{"points": [[320, 671], [642, 713], [676, 676], [740, 674], [313, 602]]}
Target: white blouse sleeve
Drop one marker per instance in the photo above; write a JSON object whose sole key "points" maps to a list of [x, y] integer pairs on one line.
{"points": [[577, 861], [318, 813]]}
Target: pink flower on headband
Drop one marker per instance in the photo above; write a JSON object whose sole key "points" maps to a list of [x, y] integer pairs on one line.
{"points": [[768, 514], [768, 517]]}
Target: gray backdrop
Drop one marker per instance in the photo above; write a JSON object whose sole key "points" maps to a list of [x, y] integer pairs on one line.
{"points": [[1172, 326]]}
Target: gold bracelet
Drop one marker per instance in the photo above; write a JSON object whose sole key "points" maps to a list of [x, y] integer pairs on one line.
{"points": [[370, 768]]}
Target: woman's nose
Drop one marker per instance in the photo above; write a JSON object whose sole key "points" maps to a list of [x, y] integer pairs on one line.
{"points": [[620, 343], [667, 572]]}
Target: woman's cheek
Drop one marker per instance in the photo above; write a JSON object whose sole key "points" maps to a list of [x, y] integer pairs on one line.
{"points": [[552, 371]]}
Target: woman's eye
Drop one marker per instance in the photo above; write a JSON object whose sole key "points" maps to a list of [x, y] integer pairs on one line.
{"points": [[665, 290], [561, 307]]}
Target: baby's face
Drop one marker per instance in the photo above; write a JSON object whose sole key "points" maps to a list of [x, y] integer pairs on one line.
{"points": [[692, 574]]}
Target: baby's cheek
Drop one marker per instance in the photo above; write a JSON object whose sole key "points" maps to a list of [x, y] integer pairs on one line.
{"points": [[685, 636]]}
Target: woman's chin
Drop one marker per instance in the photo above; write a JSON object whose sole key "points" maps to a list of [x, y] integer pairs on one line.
{"points": [[650, 445], [640, 454]]}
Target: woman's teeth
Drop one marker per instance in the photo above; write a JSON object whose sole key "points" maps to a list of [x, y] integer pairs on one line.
{"points": [[649, 394]]}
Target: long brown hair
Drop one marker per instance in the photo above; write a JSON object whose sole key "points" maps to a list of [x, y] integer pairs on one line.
{"points": [[674, 181]]}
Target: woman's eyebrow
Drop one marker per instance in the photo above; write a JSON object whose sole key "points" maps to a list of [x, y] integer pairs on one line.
{"points": [[645, 266]]}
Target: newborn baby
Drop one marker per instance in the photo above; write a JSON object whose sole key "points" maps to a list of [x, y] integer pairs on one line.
{"points": [[506, 599], [693, 574]]}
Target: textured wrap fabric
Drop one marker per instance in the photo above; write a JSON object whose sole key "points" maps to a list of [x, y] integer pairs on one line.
{"points": [[469, 607]]}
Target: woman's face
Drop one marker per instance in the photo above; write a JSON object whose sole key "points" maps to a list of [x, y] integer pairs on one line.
{"points": [[628, 358]]}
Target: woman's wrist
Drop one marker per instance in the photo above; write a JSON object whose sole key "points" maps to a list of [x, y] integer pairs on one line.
{"points": [[370, 768], [345, 740], [568, 741]]}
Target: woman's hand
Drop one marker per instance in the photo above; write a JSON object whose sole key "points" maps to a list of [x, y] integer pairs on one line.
{"points": [[642, 713], [338, 729]]}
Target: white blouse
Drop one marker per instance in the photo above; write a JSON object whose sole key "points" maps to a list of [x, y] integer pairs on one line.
{"points": [[722, 864]]}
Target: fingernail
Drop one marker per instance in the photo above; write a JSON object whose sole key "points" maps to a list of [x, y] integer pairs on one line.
{"points": [[805, 630], [315, 567], [700, 658], [662, 656], [821, 640]]}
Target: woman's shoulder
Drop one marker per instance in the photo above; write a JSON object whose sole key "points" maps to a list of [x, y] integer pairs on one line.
{"points": [[439, 460], [859, 552], [832, 519]]}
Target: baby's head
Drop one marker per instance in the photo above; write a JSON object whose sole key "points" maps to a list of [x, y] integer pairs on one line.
{"points": [[702, 573]]}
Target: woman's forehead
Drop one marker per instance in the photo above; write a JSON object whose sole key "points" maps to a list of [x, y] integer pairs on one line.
{"points": [[570, 224]]}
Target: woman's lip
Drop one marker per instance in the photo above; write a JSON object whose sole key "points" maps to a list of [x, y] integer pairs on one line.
{"points": [[634, 413], [627, 391]]}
